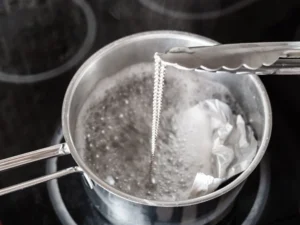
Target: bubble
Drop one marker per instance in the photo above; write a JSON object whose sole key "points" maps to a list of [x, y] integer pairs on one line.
{"points": [[153, 181], [166, 191], [110, 180]]}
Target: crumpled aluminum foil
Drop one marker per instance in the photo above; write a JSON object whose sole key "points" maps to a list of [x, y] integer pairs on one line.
{"points": [[233, 146]]}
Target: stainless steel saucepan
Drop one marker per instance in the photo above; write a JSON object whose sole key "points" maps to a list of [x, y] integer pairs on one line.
{"points": [[248, 90]]}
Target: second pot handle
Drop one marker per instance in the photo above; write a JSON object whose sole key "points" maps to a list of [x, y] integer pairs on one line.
{"points": [[23, 159], [26, 158], [39, 180]]}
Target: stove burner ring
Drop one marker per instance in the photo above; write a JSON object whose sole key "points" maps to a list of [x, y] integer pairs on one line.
{"points": [[156, 7], [66, 219], [69, 63]]}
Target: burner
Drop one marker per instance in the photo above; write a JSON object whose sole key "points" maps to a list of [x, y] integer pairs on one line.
{"points": [[47, 38], [196, 10], [73, 206]]}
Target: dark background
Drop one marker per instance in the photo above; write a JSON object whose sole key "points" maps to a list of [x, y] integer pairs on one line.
{"points": [[30, 113]]}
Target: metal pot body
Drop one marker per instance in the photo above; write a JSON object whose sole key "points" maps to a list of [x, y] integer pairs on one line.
{"points": [[247, 89], [122, 212], [121, 208]]}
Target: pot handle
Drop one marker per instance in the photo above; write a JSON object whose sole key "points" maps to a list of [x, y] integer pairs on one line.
{"points": [[23, 159]]}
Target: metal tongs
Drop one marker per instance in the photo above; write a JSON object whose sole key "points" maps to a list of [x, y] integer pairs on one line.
{"points": [[278, 58]]}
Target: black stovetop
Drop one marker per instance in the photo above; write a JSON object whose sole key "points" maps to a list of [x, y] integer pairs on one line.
{"points": [[30, 113]]}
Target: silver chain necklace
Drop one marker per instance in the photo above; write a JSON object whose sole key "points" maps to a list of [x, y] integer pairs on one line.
{"points": [[159, 74]]}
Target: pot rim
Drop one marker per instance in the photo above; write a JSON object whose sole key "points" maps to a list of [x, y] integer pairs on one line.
{"points": [[150, 35]]}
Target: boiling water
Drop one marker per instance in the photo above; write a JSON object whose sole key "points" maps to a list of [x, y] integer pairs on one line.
{"points": [[114, 131]]}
